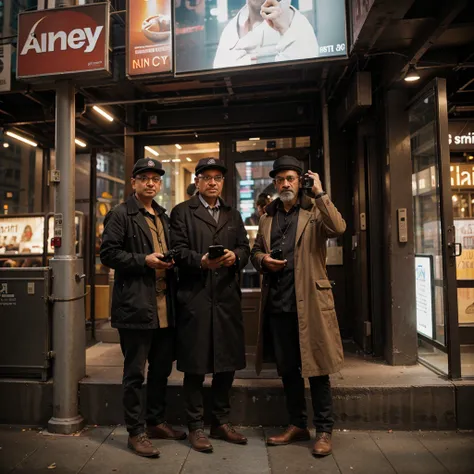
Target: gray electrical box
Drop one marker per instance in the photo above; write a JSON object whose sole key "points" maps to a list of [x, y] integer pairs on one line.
{"points": [[25, 321]]}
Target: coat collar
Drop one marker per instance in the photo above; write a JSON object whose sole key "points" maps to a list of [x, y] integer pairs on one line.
{"points": [[134, 206], [203, 214], [133, 209]]}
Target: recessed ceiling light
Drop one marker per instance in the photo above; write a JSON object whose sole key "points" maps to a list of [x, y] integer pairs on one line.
{"points": [[256, 139], [103, 113], [80, 142], [178, 146], [412, 74], [5, 145], [176, 160], [154, 152], [21, 139], [188, 159]]}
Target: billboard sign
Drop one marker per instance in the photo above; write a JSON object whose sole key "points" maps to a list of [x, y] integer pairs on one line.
{"points": [[223, 34], [63, 41], [148, 37]]}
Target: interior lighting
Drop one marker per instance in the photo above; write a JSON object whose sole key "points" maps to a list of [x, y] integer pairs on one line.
{"points": [[80, 142], [455, 198], [5, 145], [256, 139], [188, 159], [176, 160], [165, 161], [153, 152], [21, 139], [103, 113], [412, 74], [178, 146]]}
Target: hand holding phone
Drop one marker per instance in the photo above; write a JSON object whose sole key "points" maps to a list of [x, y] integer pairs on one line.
{"points": [[215, 251]]}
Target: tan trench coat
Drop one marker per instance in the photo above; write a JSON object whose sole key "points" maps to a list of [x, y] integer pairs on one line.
{"points": [[320, 340]]}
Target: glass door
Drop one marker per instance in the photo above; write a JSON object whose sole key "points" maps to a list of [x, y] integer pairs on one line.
{"points": [[435, 237]]}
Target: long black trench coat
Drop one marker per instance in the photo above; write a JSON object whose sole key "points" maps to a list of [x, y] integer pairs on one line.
{"points": [[209, 323], [126, 242]]}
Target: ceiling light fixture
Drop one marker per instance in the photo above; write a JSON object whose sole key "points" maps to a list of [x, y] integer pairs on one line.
{"points": [[150, 149], [80, 142], [5, 145], [178, 146], [165, 161], [188, 159], [103, 113], [412, 74], [21, 139], [256, 139], [176, 160]]}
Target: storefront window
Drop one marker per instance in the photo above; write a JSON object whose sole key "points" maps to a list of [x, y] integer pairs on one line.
{"points": [[17, 177], [110, 192], [179, 162]]}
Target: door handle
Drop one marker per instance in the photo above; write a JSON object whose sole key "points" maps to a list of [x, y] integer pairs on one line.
{"points": [[456, 249]]}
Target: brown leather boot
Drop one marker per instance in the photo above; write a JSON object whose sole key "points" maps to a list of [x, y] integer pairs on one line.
{"points": [[142, 446], [228, 433], [199, 441], [291, 435], [323, 445], [164, 431]]}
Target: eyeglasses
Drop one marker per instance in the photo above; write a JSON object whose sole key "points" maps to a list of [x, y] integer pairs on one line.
{"points": [[207, 178], [145, 179], [282, 179]]}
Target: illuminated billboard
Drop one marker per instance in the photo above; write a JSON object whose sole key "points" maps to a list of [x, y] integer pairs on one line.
{"points": [[222, 34]]}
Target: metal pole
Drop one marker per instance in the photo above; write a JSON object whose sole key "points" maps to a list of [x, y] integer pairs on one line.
{"points": [[327, 155], [92, 238], [69, 340]]}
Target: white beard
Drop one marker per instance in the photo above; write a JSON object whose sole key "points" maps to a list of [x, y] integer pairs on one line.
{"points": [[287, 196]]}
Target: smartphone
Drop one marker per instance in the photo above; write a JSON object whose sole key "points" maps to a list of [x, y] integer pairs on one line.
{"points": [[276, 254], [215, 251], [307, 182], [168, 256]]}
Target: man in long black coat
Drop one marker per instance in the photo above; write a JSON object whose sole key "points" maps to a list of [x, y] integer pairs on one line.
{"points": [[210, 330], [135, 239]]}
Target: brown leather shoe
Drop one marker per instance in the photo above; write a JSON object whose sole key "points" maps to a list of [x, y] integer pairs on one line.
{"points": [[199, 441], [323, 445], [291, 435], [164, 431], [142, 446], [227, 433]]}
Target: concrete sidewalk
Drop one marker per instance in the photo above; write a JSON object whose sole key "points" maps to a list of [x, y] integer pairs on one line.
{"points": [[103, 450]]}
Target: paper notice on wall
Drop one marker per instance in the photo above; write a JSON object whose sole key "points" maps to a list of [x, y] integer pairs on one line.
{"points": [[6, 51]]}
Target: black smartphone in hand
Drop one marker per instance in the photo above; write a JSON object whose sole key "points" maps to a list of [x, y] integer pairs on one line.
{"points": [[276, 254], [215, 251]]}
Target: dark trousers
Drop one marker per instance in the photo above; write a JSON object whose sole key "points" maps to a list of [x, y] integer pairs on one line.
{"points": [[220, 392], [285, 337], [138, 346]]}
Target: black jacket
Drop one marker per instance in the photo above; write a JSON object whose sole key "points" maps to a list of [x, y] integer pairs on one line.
{"points": [[126, 242], [209, 323]]}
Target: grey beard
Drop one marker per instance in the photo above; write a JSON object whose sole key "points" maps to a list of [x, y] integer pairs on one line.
{"points": [[287, 196]]}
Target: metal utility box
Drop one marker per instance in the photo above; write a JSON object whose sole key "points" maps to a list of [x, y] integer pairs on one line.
{"points": [[25, 322]]}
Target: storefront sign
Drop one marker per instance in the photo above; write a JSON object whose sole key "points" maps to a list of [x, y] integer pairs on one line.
{"points": [[360, 12], [63, 41], [461, 136], [232, 34], [462, 176], [148, 37], [6, 67], [424, 295]]}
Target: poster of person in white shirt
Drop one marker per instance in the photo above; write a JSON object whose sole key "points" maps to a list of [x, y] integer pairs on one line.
{"points": [[242, 33]]}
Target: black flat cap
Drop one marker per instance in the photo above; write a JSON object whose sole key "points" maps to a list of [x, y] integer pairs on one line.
{"points": [[286, 163], [210, 164], [148, 164]]}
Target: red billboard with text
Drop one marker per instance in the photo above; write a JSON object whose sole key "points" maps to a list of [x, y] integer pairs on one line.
{"points": [[148, 37], [63, 41]]}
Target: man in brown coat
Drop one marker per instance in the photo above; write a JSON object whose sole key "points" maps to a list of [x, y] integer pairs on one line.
{"points": [[298, 325]]}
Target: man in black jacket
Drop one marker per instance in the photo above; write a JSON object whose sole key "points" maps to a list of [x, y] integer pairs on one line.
{"points": [[210, 329], [135, 240]]}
